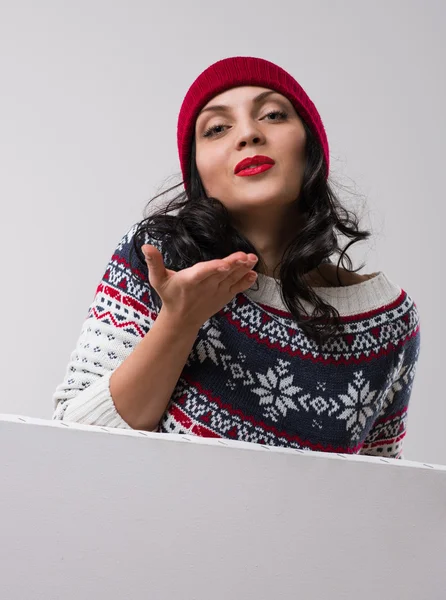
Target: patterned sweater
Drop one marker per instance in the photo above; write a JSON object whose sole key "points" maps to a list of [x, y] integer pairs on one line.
{"points": [[253, 374]]}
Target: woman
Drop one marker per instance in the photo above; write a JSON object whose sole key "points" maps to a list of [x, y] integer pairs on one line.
{"points": [[222, 314]]}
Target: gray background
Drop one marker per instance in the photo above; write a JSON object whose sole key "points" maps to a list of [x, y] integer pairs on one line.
{"points": [[90, 93]]}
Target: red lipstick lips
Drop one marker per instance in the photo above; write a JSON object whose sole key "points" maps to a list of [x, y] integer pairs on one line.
{"points": [[253, 165]]}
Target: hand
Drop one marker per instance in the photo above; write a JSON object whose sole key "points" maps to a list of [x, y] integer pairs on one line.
{"points": [[195, 294]]}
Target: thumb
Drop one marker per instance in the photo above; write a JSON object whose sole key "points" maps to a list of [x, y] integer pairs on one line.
{"points": [[154, 261]]}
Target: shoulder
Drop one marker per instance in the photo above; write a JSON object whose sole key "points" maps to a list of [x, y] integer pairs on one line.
{"points": [[129, 246], [403, 316], [126, 275], [138, 233], [328, 275], [407, 319]]}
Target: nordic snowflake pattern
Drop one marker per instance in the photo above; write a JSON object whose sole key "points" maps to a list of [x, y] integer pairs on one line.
{"points": [[252, 373]]}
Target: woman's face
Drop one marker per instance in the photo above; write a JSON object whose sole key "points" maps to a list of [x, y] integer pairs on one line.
{"points": [[242, 123]]}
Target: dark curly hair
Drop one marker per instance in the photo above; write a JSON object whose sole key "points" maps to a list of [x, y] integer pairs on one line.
{"points": [[202, 230]]}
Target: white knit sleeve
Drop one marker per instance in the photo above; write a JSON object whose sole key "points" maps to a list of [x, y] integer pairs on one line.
{"points": [[84, 395], [120, 315]]}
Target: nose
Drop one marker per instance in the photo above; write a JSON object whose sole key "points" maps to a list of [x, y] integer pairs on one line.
{"points": [[250, 135]]}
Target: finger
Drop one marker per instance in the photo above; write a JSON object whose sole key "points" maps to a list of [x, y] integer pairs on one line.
{"points": [[243, 283], [238, 272], [233, 267], [154, 260], [243, 257], [241, 267], [204, 270]]}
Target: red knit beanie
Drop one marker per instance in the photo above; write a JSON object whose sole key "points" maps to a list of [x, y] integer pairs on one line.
{"points": [[238, 71]]}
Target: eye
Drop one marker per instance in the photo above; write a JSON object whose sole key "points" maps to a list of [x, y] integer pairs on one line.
{"points": [[276, 115], [214, 130]]}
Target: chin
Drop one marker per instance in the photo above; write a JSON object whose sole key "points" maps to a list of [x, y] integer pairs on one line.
{"points": [[240, 201], [261, 197]]}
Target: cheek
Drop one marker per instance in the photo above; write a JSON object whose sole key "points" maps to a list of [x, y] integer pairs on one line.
{"points": [[296, 144], [211, 167], [295, 153]]}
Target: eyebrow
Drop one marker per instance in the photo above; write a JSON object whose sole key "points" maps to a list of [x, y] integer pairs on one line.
{"points": [[225, 108]]}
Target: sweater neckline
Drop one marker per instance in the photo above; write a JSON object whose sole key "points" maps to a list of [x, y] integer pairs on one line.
{"points": [[358, 298]]}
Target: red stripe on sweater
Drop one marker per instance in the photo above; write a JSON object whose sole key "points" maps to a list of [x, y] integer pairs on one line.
{"points": [[383, 351], [385, 442], [127, 300], [344, 319], [102, 316], [181, 417], [121, 261], [262, 425]]}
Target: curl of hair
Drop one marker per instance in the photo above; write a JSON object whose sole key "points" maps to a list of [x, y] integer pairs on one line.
{"points": [[202, 230]]}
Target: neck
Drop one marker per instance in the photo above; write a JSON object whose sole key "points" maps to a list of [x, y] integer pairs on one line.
{"points": [[270, 236]]}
